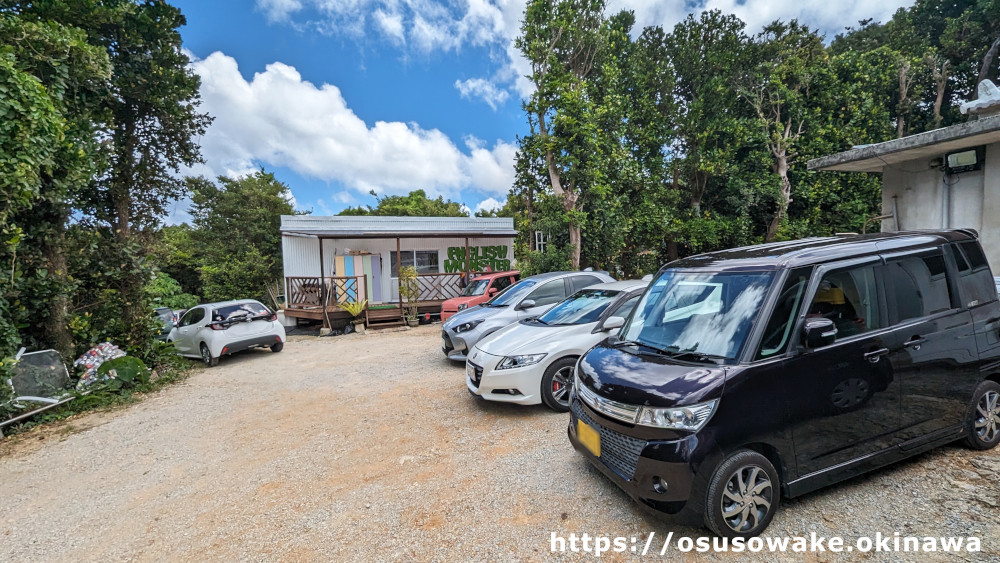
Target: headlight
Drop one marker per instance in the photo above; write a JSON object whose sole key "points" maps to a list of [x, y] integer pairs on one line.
{"points": [[520, 361], [467, 326], [691, 418], [463, 306]]}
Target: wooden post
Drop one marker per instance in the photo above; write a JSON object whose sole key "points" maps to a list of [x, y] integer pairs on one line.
{"points": [[399, 268], [468, 266], [322, 284]]}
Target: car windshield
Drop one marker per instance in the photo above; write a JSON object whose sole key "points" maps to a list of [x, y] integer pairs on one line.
{"points": [[698, 314], [511, 294], [248, 309], [477, 287], [584, 306]]}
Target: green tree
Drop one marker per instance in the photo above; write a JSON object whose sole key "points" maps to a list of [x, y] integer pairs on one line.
{"points": [[237, 233], [48, 149], [414, 204], [561, 39]]}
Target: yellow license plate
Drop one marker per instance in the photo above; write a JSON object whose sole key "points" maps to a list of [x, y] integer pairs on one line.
{"points": [[588, 437]]}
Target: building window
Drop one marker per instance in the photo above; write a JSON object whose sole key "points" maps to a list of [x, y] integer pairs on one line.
{"points": [[426, 261], [540, 241]]}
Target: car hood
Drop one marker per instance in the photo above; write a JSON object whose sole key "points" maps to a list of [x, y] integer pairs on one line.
{"points": [[624, 376], [454, 302], [473, 314], [534, 338]]}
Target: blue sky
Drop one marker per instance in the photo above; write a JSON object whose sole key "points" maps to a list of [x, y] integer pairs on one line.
{"points": [[339, 97]]}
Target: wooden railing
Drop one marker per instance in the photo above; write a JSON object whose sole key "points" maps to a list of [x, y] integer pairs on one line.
{"points": [[438, 287], [305, 292]]}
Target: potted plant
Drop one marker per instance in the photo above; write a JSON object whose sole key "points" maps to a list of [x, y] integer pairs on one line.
{"points": [[409, 290], [355, 309]]}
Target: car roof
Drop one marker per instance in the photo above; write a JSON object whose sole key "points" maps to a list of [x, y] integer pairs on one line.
{"points": [[491, 275], [228, 303], [550, 275], [624, 285], [804, 252]]}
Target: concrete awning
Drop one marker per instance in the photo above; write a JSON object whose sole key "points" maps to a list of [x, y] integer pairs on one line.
{"points": [[929, 145]]}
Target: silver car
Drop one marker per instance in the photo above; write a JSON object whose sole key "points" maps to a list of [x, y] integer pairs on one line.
{"points": [[527, 298]]}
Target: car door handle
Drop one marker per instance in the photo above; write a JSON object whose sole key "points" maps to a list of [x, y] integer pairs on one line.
{"points": [[875, 355], [914, 342]]}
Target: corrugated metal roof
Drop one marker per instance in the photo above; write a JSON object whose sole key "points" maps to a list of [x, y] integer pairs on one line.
{"points": [[405, 227]]}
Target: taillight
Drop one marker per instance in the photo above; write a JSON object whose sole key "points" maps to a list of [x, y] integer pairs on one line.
{"points": [[273, 317], [215, 326]]}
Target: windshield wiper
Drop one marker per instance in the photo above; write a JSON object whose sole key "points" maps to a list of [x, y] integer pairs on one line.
{"points": [[692, 353], [539, 320]]}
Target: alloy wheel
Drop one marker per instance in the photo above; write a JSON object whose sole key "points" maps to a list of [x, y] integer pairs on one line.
{"points": [[560, 385], [988, 416], [747, 498]]}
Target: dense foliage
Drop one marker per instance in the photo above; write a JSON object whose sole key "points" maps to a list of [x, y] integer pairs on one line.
{"points": [[100, 112], [414, 204], [648, 145]]}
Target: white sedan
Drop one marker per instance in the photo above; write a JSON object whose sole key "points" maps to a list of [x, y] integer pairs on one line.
{"points": [[213, 330], [532, 361]]}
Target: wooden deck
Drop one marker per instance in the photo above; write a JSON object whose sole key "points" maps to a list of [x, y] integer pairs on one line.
{"points": [[374, 317]]}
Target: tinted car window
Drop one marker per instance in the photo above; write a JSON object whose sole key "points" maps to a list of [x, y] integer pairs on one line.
{"points": [[250, 309], [849, 299], [582, 307], [548, 293], [193, 316], [974, 274], [778, 331], [501, 284], [580, 282], [512, 294], [917, 286], [626, 308]]}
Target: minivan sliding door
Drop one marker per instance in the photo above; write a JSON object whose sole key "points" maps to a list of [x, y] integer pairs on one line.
{"points": [[932, 347]]}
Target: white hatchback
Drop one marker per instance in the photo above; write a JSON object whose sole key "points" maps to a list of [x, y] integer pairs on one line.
{"points": [[213, 330], [532, 361]]}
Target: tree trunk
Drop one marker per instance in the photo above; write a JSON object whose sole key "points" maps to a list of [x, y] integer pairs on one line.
{"points": [[55, 324], [904, 87], [575, 239], [941, 83], [984, 69], [672, 250], [781, 168]]}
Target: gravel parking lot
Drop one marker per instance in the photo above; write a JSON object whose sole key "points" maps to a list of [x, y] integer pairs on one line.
{"points": [[368, 447]]}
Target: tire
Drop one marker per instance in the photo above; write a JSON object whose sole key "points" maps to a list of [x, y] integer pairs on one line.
{"points": [[277, 347], [731, 507], [206, 356], [983, 426], [556, 384]]}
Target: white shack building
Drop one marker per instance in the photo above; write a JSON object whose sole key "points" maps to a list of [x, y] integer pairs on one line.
{"points": [[331, 260]]}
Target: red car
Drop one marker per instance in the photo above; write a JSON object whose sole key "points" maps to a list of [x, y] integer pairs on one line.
{"points": [[479, 290]]}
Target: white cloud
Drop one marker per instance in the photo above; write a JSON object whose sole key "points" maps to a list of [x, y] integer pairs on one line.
{"points": [[391, 25], [482, 88], [490, 204], [279, 10], [427, 26], [278, 119]]}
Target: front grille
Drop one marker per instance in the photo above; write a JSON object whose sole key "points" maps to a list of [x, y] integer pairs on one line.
{"points": [[448, 346], [618, 451], [476, 373]]}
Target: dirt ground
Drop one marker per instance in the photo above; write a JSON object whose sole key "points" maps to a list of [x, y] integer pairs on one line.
{"points": [[368, 447]]}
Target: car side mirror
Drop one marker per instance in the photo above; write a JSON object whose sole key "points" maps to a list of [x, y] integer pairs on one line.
{"points": [[493, 291], [526, 304], [613, 323], [819, 332]]}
